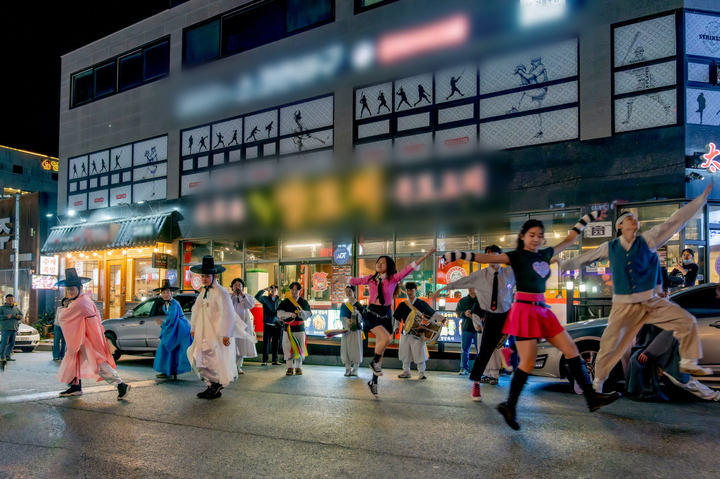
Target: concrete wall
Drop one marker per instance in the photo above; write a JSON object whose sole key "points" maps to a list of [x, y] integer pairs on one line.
{"points": [[34, 177]]}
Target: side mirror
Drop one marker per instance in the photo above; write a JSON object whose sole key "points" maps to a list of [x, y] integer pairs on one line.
{"points": [[129, 314]]}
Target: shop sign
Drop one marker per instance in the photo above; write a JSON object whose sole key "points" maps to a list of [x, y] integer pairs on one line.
{"points": [[320, 281], [43, 282], [163, 261], [600, 229], [49, 265], [48, 165], [5, 224], [710, 163], [455, 273], [341, 255]]}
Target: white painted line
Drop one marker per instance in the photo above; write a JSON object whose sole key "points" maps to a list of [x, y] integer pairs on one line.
{"points": [[55, 394]]}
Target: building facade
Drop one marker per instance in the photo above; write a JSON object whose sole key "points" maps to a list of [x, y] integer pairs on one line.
{"points": [[298, 140]]}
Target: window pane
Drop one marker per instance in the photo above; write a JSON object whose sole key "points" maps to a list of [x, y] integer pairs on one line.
{"points": [[231, 272], [261, 249], [259, 276], [228, 251], [193, 252], [253, 27], [651, 216], [105, 79], [306, 247], [202, 43], [423, 277], [375, 243], [699, 72], [131, 70], [82, 87], [304, 13], [157, 60]]}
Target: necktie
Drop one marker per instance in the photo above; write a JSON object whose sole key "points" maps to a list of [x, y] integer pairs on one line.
{"points": [[207, 288], [493, 299], [381, 293]]}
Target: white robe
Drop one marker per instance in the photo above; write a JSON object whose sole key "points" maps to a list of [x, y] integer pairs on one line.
{"points": [[242, 306], [412, 349], [351, 345], [212, 320]]}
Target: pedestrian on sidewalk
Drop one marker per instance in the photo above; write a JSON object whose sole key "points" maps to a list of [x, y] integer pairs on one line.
{"points": [[88, 355], [10, 318], [272, 328], [58, 339], [171, 355], [378, 317], [466, 308], [293, 311], [213, 325], [530, 319], [243, 303], [351, 347]]}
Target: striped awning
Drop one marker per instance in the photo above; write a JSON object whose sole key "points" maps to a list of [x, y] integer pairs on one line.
{"points": [[113, 234]]}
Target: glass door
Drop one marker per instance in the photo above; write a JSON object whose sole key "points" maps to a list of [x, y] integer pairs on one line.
{"points": [[115, 301]]}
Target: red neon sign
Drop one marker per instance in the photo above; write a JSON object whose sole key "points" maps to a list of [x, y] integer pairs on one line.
{"points": [[711, 163], [446, 33], [457, 141]]}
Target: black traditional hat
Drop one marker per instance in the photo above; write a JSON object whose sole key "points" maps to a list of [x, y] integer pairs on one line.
{"points": [[208, 266], [165, 286], [72, 279]]}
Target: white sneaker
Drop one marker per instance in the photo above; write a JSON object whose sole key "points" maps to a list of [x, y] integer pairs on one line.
{"points": [[405, 375], [597, 385], [690, 366], [354, 372], [463, 372], [347, 372]]}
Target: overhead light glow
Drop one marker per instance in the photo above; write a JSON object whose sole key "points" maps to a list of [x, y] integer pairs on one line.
{"points": [[533, 11]]}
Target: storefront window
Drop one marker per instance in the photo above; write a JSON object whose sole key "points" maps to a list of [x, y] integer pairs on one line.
{"points": [[259, 276], [91, 269], [456, 242], [228, 251], [411, 243], [424, 277], [557, 225], [146, 278], [374, 243], [714, 243], [651, 216], [231, 272], [306, 247], [314, 278], [261, 249], [695, 229], [193, 252]]}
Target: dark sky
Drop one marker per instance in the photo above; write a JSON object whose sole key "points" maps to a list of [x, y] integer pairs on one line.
{"points": [[33, 36]]}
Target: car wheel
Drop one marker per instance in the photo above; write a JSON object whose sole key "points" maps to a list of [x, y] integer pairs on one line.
{"points": [[116, 355], [588, 352], [27, 350]]}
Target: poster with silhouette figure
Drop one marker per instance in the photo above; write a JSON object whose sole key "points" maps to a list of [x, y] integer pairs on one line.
{"points": [[98, 199], [561, 94], [300, 120], [191, 141], [78, 167], [645, 77], [150, 151], [652, 39], [702, 34], [702, 107], [646, 111], [374, 100], [149, 190], [98, 162], [227, 134], [120, 157], [414, 92], [153, 171], [455, 83], [559, 125], [261, 126]]}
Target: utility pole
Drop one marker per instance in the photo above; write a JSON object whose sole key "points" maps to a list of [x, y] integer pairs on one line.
{"points": [[16, 247]]}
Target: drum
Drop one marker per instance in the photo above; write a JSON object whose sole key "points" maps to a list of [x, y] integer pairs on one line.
{"points": [[426, 328]]}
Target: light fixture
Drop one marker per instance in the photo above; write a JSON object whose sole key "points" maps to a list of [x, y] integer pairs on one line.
{"points": [[502, 238], [71, 213], [140, 250], [412, 243], [692, 176], [583, 288], [569, 285], [557, 235], [124, 252], [94, 254], [69, 255], [109, 253], [156, 250], [148, 205], [309, 245], [167, 251], [441, 303], [82, 255], [594, 289], [49, 215]]}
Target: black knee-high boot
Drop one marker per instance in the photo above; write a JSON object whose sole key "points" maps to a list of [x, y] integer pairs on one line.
{"points": [[595, 401], [507, 409]]}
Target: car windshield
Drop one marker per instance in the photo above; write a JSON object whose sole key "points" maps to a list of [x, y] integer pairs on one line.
{"points": [[144, 309]]}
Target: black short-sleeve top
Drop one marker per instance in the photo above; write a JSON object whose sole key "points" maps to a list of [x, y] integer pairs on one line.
{"points": [[532, 270]]}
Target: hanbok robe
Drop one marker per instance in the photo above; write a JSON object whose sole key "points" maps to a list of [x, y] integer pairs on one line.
{"points": [[171, 356]]}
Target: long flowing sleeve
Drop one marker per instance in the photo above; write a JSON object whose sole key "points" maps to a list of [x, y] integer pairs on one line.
{"points": [[661, 234], [403, 273], [359, 280], [597, 254]]}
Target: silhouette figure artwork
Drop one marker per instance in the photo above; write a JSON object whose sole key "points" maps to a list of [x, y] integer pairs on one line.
{"points": [[701, 106], [151, 156], [202, 143], [219, 140], [253, 132], [94, 167], [453, 86], [75, 170], [532, 99], [403, 98], [83, 170], [190, 144], [383, 103], [364, 103], [422, 95], [269, 128], [103, 166], [302, 138], [234, 138], [117, 162], [643, 76]]}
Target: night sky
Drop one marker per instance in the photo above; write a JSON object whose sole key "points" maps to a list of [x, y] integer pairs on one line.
{"points": [[33, 36]]}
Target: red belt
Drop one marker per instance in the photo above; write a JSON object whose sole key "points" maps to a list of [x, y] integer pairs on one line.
{"points": [[295, 323]]}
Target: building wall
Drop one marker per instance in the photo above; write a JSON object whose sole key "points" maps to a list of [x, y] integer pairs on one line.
{"points": [[33, 178]]}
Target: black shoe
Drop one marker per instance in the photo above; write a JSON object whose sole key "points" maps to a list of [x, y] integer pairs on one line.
{"points": [[74, 390], [162, 376], [264, 364], [600, 400], [9, 359], [373, 388], [508, 415], [123, 390], [214, 391], [204, 394]]}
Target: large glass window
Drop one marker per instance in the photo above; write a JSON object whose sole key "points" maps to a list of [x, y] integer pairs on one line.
{"points": [[413, 243], [231, 272], [261, 249], [131, 70], [362, 5], [193, 251], [651, 216], [202, 43], [375, 243], [423, 277], [306, 247], [82, 87], [156, 61], [228, 251], [253, 27], [304, 13], [146, 278], [105, 77], [259, 276]]}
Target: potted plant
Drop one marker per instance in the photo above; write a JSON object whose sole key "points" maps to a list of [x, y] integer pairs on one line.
{"points": [[45, 323]]}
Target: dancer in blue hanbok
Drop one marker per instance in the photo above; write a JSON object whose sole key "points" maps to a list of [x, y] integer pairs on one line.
{"points": [[171, 357]]}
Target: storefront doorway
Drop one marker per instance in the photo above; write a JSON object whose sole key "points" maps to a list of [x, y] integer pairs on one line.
{"points": [[115, 301]]}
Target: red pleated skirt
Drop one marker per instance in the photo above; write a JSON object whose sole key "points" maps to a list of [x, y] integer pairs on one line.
{"points": [[530, 321]]}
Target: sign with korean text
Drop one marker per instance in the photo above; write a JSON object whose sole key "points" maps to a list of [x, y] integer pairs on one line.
{"points": [[599, 229], [49, 265], [5, 231], [163, 261]]}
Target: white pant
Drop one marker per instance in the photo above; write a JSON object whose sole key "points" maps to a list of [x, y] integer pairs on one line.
{"points": [[209, 367], [287, 349], [239, 361], [109, 374]]}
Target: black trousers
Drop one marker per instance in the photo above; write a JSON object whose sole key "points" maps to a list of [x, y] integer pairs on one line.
{"points": [[271, 339], [492, 332]]}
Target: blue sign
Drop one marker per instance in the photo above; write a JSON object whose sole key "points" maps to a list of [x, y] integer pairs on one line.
{"points": [[341, 255]]}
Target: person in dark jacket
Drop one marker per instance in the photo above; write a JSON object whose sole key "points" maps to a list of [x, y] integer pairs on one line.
{"points": [[272, 330], [10, 317]]}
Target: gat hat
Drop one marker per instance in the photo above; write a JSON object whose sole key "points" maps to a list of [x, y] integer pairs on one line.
{"points": [[165, 285], [72, 279], [208, 266]]}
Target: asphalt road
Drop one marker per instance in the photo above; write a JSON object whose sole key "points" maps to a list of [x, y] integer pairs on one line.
{"points": [[323, 424]]}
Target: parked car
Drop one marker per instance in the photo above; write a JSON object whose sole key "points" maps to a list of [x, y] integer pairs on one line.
{"points": [[137, 331], [700, 301], [27, 338]]}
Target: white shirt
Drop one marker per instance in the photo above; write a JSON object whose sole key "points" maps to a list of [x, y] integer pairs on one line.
{"points": [[482, 281]]}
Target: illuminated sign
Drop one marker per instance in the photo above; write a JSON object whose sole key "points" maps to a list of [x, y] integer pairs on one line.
{"points": [[710, 163], [48, 165], [538, 11], [446, 33], [49, 265], [43, 282]]}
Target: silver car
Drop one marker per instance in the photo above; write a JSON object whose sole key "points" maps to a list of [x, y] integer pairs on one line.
{"points": [[137, 331], [700, 301]]}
